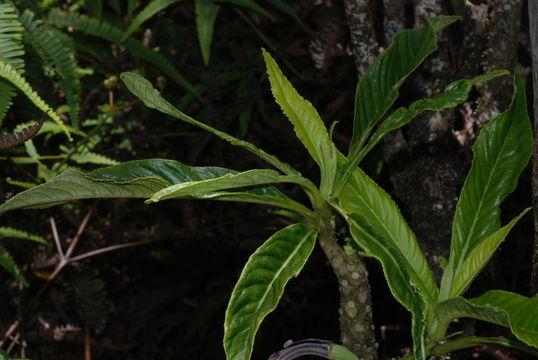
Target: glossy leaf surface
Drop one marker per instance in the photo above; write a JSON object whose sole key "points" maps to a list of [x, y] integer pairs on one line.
{"points": [[139, 179], [261, 286], [382, 232], [522, 312], [228, 181], [378, 88], [501, 152], [143, 89], [306, 121], [479, 257], [455, 94]]}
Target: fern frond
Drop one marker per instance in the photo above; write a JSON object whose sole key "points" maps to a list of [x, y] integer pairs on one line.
{"points": [[115, 35], [90, 296], [60, 57], [9, 232], [14, 77], [92, 158], [6, 261], [11, 52]]}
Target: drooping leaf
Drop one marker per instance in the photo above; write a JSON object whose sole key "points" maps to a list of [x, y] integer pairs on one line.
{"points": [[141, 179], [306, 121], [228, 181], [378, 88], [455, 94], [284, 7], [522, 312], [446, 311], [503, 308], [501, 152], [9, 232], [6, 261], [206, 14], [143, 89], [261, 285], [154, 7], [479, 257]]}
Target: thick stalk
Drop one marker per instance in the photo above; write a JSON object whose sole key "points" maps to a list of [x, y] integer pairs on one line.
{"points": [[533, 22], [356, 324]]}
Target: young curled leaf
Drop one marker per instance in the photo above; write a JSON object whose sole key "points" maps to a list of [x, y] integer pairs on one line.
{"points": [[11, 140]]}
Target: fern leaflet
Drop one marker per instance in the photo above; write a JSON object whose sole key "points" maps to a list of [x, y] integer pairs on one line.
{"points": [[13, 76], [11, 52], [60, 57]]}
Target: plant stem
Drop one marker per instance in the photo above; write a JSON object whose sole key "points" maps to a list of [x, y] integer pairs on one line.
{"points": [[356, 324]]}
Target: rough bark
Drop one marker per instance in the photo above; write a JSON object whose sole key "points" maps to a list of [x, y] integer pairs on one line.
{"points": [[533, 22], [356, 323]]}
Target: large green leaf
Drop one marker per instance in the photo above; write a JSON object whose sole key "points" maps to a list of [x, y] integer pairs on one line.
{"points": [[522, 312], [154, 7], [144, 178], [143, 89], [380, 229], [479, 257], [261, 285], [228, 181], [446, 311], [206, 14], [306, 121], [404, 284], [504, 308], [378, 88], [455, 94], [501, 152]]}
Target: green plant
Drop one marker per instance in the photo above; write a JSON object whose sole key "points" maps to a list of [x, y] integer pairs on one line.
{"points": [[373, 219]]}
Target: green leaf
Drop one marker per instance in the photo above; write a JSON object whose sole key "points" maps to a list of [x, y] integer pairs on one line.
{"points": [[206, 14], [504, 308], [501, 152], [143, 89], [9, 232], [6, 261], [142, 179], [455, 94], [522, 312], [9, 73], [380, 229], [228, 181], [285, 8], [261, 286], [446, 311], [147, 13], [479, 257], [378, 88], [306, 121]]}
